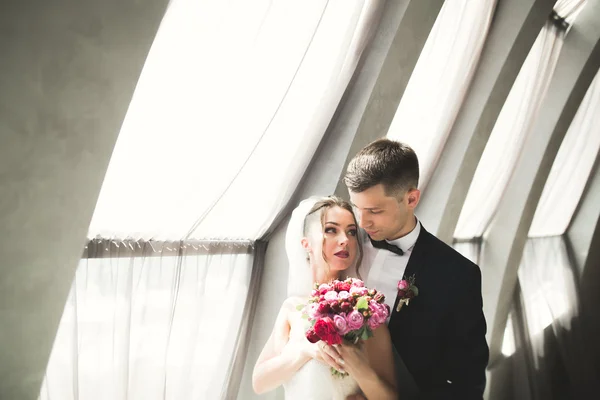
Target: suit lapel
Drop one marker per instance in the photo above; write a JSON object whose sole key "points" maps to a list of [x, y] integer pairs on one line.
{"points": [[418, 258]]}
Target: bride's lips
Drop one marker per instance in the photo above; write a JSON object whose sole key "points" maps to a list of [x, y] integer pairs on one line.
{"points": [[342, 254]]}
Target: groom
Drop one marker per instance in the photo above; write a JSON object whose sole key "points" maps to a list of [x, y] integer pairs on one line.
{"points": [[440, 333]]}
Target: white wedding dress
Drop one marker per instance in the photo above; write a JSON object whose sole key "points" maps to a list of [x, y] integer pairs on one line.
{"points": [[314, 380]]}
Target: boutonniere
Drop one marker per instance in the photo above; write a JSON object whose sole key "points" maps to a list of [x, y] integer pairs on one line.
{"points": [[406, 291]]}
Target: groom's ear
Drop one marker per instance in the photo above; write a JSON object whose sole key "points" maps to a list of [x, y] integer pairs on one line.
{"points": [[413, 197]]}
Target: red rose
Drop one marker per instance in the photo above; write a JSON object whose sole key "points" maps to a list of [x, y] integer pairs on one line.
{"points": [[345, 287], [312, 336], [402, 294], [325, 329], [324, 308]]}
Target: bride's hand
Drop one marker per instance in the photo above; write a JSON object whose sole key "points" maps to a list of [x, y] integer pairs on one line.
{"points": [[326, 354], [354, 357], [319, 351]]}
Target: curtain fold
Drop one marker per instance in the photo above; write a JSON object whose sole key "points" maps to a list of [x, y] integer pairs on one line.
{"points": [[238, 361], [514, 123], [440, 80], [470, 249], [571, 168], [560, 365], [151, 321], [232, 102], [230, 107]]}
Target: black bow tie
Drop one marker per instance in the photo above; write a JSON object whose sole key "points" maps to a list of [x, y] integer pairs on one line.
{"points": [[382, 244]]}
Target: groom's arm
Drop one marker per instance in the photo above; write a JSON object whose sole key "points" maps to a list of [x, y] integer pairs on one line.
{"points": [[467, 352]]}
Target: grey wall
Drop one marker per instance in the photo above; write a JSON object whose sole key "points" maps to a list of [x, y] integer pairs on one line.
{"points": [[67, 73]]}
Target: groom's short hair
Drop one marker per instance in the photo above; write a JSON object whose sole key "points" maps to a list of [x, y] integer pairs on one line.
{"points": [[391, 163]]}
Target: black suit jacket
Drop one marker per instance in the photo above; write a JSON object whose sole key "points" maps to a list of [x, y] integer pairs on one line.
{"points": [[440, 335]]}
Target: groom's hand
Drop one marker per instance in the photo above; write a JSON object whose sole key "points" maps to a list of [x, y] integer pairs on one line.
{"points": [[330, 356]]}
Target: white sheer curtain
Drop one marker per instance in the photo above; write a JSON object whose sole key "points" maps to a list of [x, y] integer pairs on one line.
{"points": [[547, 283], [571, 168], [510, 131], [508, 342], [232, 103], [151, 323], [441, 77], [560, 361], [469, 249]]}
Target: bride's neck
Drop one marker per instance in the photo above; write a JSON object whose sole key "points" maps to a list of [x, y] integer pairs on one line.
{"points": [[325, 276]]}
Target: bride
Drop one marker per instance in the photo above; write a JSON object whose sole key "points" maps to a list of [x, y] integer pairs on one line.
{"points": [[322, 244]]}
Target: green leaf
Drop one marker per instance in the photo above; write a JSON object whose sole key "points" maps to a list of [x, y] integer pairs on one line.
{"points": [[365, 334], [304, 316], [415, 290], [362, 304], [300, 307]]}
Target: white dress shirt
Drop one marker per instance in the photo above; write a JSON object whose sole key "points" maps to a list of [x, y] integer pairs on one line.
{"points": [[381, 269]]}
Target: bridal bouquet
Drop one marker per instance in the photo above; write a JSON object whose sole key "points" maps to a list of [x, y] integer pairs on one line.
{"points": [[344, 310]]}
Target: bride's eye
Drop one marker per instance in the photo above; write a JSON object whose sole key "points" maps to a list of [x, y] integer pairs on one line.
{"points": [[352, 232], [330, 230]]}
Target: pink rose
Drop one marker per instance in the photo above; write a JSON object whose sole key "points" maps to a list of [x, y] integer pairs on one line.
{"points": [[360, 291], [313, 310], [373, 306], [357, 283], [343, 295], [374, 322], [324, 288], [355, 320], [385, 311], [378, 311], [340, 324], [403, 285], [331, 296], [382, 314]]}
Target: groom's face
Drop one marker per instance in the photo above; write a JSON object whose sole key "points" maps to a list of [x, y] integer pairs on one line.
{"points": [[384, 217]]}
